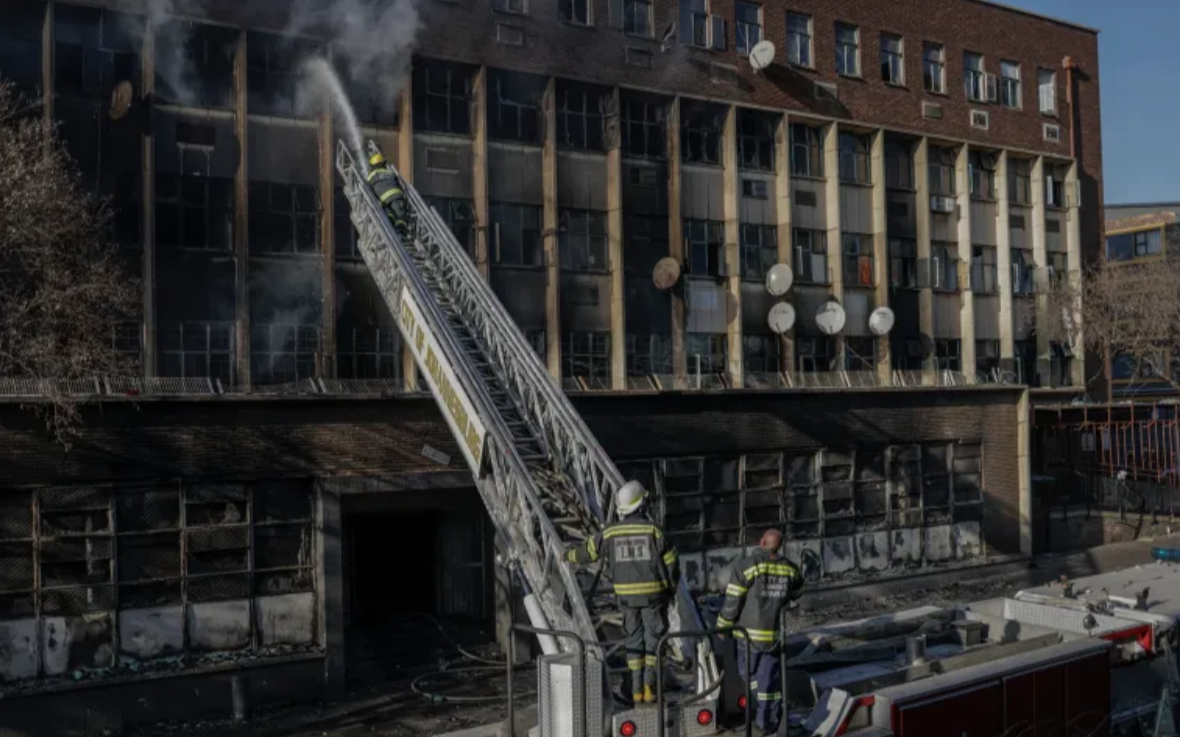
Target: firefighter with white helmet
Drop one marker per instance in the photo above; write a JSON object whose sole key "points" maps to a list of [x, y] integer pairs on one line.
{"points": [[645, 569]]}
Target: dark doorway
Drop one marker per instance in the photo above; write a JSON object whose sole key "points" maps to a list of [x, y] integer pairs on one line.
{"points": [[393, 565]]}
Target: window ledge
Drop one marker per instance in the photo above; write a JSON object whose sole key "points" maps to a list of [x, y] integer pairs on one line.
{"points": [[936, 93], [859, 286], [852, 77], [894, 188], [976, 198], [853, 183], [706, 164], [896, 85], [517, 267], [575, 24], [583, 272], [802, 67], [808, 177]]}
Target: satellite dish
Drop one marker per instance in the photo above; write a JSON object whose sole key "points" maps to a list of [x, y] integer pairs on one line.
{"points": [[121, 99], [761, 55], [830, 317], [666, 273], [881, 321], [781, 317], [779, 279]]}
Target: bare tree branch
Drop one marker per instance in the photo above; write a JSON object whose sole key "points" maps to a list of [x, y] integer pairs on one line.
{"points": [[63, 290]]}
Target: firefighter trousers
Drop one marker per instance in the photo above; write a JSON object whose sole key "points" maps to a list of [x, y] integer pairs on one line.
{"points": [[766, 689], [642, 629]]}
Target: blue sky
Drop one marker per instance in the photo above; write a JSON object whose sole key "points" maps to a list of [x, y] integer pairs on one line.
{"points": [[1139, 55]]}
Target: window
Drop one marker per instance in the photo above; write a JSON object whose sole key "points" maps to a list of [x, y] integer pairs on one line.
{"points": [[442, 97], [847, 50], [459, 216], [20, 45], [807, 151], [644, 132], [274, 72], [281, 353], [1010, 84], [892, 59], [198, 350], [899, 164], [755, 140], [944, 267], [516, 234], [580, 116], [284, 218], [1147, 243], [759, 250], [760, 354], [987, 356], [637, 17], [983, 270], [1047, 91], [649, 354], [799, 39], [1055, 186], [514, 112], [699, 28], [903, 263], [575, 11], [194, 212], [946, 354], [1019, 181], [811, 256], [858, 259], [815, 353], [368, 352], [200, 71], [516, 7], [981, 171], [1126, 246], [705, 241], [941, 170], [754, 189], [700, 132], [855, 150], [582, 240], [934, 68], [747, 26], [712, 350], [860, 354], [586, 355], [974, 80], [1022, 271]]}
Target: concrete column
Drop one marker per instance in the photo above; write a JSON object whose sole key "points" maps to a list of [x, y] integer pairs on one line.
{"points": [[782, 190], [1024, 469], [733, 249], [330, 575], [676, 244], [881, 250], [614, 237], [241, 219], [326, 366], [832, 227], [1004, 262], [1073, 245], [549, 233], [966, 293], [479, 165], [922, 226], [405, 166], [1041, 258], [148, 215]]}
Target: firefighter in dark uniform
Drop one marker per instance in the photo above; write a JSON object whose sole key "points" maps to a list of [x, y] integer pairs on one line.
{"points": [[388, 189], [760, 585], [645, 569]]}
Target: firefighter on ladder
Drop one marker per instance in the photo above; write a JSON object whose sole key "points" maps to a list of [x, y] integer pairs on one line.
{"points": [[388, 189], [760, 585], [645, 569]]}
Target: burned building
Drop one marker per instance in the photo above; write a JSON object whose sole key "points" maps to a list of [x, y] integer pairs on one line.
{"points": [[226, 518]]}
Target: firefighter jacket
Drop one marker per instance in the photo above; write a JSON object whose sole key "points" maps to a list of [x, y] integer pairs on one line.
{"points": [[759, 587], [643, 565], [389, 191]]}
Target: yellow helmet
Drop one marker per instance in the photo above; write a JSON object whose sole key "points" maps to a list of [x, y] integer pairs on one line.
{"points": [[376, 160]]}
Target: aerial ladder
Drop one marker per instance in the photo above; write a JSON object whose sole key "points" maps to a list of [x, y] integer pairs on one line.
{"points": [[543, 477]]}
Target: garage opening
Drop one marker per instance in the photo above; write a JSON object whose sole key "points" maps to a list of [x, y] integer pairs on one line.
{"points": [[394, 566]]}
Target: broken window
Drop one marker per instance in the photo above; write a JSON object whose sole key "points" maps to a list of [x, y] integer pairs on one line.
{"points": [[855, 150], [903, 263], [274, 72], [17, 572], [217, 542], [370, 89], [815, 353], [75, 552], [281, 353], [582, 240], [811, 256], [516, 234], [870, 497], [860, 354], [967, 480], [936, 488], [284, 218], [756, 140], [899, 163], [459, 216], [705, 247], [194, 212], [514, 106], [858, 259], [20, 44], [148, 541], [759, 250], [195, 64], [707, 353], [644, 127], [941, 169], [368, 353], [762, 495], [196, 350], [94, 50], [803, 508], [807, 151], [442, 97], [700, 132], [947, 354], [760, 353], [581, 112], [586, 355], [649, 354]]}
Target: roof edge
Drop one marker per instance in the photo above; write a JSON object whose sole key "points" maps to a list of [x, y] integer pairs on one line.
{"points": [[1032, 14]]}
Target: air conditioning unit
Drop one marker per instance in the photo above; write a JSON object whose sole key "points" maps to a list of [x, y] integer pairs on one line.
{"points": [[942, 203]]}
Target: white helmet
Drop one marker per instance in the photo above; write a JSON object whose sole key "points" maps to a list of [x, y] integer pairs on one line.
{"points": [[629, 498]]}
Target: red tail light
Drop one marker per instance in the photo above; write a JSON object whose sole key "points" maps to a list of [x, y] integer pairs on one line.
{"points": [[742, 701], [627, 729], [704, 717]]}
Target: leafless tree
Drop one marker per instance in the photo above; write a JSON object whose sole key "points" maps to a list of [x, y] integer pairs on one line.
{"points": [[1124, 308], [62, 288]]}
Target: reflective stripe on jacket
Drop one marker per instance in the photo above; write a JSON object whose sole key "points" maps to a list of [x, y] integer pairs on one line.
{"points": [[643, 565], [759, 587]]}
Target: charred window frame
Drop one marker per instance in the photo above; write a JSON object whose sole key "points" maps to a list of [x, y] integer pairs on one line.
{"points": [[811, 256], [981, 172], [987, 356], [576, 12], [585, 355], [516, 234], [941, 170], [283, 353], [20, 45], [459, 216], [198, 350], [760, 353], [368, 352], [807, 151], [700, 132], [947, 354], [713, 350], [755, 140], [983, 270], [371, 99], [814, 353], [759, 248], [858, 259], [284, 219], [1023, 267], [514, 112], [649, 354], [581, 114], [899, 164], [860, 354], [582, 240], [903, 263], [855, 153], [274, 73], [944, 266], [705, 246], [95, 49], [1019, 181], [194, 212], [644, 127], [442, 97], [194, 64]]}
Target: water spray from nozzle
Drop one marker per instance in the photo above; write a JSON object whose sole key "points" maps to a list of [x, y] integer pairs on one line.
{"points": [[322, 74]]}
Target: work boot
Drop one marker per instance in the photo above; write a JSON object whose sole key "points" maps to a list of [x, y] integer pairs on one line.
{"points": [[649, 696]]}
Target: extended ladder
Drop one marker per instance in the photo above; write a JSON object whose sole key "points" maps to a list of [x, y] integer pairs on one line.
{"points": [[545, 480]]}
